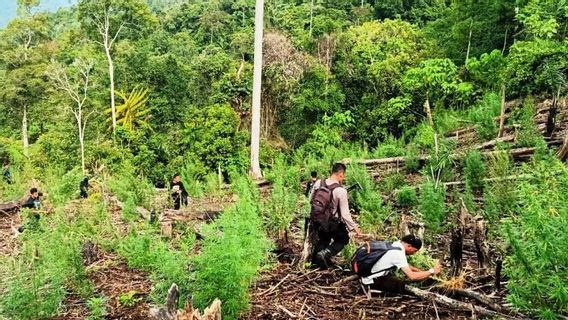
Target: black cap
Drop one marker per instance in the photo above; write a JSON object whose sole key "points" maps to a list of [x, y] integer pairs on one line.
{"points": [[413, 241]]}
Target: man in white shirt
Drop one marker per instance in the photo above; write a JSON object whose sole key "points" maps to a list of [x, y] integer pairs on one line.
{"points": [[382, 277]]}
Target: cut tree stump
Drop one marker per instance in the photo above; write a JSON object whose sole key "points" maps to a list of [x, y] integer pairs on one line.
{"points": [[89, 253], [479, 239], [143, 212], [170, 312]]}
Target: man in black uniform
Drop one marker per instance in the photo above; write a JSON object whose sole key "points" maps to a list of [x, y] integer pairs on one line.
{"points": [[179, 194], [84, 187]]}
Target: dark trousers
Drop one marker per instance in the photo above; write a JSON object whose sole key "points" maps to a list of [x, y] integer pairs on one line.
{"points": [[178, 200], [388, 283], [335, 238]]}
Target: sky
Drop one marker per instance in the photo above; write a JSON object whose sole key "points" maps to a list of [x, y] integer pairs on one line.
{"points": [[8, 8]]}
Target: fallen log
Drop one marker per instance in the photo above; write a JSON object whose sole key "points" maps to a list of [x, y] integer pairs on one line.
{"points": [[494, 142], [455, 304], [9, 207], [481, 298]]}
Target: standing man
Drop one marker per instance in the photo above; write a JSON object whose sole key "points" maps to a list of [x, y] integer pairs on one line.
{"points": [[179, 194], [382, 277], [330, 218], [84, 187], [6, 173], [313, 179]]}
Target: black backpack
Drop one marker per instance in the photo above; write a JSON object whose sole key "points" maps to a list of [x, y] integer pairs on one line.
{"points": [[322, 204], [368, 254]]}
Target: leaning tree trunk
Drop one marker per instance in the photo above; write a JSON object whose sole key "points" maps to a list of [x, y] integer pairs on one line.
{"points": [[25, 140]]}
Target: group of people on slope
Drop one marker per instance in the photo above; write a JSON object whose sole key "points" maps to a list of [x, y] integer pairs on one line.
{"points": [[331, 225]]}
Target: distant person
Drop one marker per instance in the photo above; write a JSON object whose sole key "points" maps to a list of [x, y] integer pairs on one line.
{"points": [[313, 179], [6, 173], [33, 201], [381, 274], [330, 218], [179, 194], [84, 187]]}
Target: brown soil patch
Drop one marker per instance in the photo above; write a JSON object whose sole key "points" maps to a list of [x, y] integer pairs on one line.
{"points": [[112, 278], [9, 222]]}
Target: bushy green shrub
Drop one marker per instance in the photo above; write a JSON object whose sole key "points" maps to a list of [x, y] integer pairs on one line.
{"points": [[233, 251], [146, 250], [49, 263], [528, 135], [366, 199], [279, 209], [483, 115], [63, 187], [97, 308], [406, 197], [391, 182], [500, 194], [474, 171], [432, 204], [424, 137], [129, 187], [390, 147], [412, 161], [422, 260], [536, 268]]}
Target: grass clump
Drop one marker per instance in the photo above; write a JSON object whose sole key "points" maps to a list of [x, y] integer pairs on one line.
{"points": [[233, 251]]}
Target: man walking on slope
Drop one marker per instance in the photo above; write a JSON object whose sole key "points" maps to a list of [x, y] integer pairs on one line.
{"points": [[330, 218]]}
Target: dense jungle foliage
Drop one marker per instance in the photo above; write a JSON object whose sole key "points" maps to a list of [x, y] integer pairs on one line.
{"points": [[341, 79]]}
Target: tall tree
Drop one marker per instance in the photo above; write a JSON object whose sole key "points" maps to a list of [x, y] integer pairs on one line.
{"points": [[256, 89], [23, 55], [75, 83], [106, 21]]}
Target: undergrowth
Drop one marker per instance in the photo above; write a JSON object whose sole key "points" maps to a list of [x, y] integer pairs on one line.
{"points": [[234, 249], [536, 268]]}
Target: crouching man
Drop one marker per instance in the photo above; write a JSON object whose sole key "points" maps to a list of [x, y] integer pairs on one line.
{"points": [[379, 274]]}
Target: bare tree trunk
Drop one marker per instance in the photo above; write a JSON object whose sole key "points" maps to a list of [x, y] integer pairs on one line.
{"points": [[428, 112], [82, 143], [505, 41], [78, 92], [311, 17], [469, 41], [563, 151], [502, 117], [25, 140], [256, 91], [111, 78]]}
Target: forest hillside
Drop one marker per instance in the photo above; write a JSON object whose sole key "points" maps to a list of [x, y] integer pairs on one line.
{"points": [[451, 118]]}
